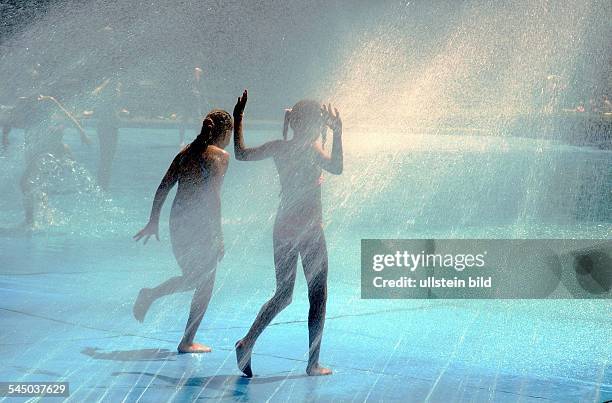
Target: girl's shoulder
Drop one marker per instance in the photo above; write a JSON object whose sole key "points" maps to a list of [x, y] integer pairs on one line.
{"points": [[279, 147], [215, 152], [215, 156]]}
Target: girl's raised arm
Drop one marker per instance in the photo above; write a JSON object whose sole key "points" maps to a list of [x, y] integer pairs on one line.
{"points": [[84, 138], [335, 163], [243, 153]]}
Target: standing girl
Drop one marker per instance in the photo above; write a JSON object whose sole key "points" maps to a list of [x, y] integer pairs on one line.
{"points": [[298, 229]]}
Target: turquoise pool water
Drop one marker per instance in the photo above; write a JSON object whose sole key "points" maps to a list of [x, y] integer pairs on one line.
{"points": [[67, 288]]}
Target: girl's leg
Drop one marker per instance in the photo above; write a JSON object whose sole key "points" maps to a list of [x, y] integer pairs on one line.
{"points": [[314, 260], [173, 285], [147, 296], [184, 254], [199, 304], [285, 261]]}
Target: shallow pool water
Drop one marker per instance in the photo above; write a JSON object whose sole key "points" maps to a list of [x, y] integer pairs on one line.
{"points": [[68, 287]]}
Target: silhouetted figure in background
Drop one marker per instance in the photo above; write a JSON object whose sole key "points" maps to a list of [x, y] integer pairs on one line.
{"points": [[195, 223], [606, 105], [191, 103], [553, 93], [107, 114], [6, 130], [17, 117], [298, 229], [44, 147]]}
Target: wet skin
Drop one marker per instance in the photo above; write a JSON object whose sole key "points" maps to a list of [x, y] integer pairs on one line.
{"points": [[298, 230], [195, 220]]}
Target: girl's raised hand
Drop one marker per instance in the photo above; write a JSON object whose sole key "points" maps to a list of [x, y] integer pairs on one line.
{"points": [[240, 104], [331, 118]]}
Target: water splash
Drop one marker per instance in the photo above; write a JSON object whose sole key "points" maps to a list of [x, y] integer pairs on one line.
{"points": [[494, 63], [68, 197], [481, 70]]}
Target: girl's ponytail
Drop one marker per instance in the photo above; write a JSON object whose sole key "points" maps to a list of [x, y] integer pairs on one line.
{"points": [[286, 123], [206, 134], [216, 123], [203, 140]]}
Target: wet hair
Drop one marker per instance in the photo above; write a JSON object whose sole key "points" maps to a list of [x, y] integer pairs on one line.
{"points": [[222, 121], [305, 113]]}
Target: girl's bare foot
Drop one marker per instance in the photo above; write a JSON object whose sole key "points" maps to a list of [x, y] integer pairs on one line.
{"points": [[193, 348], [243, 358], [317, 370], [142, 304]]}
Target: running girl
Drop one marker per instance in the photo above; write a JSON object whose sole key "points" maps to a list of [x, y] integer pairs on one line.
{"points": [[195, 223]]}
